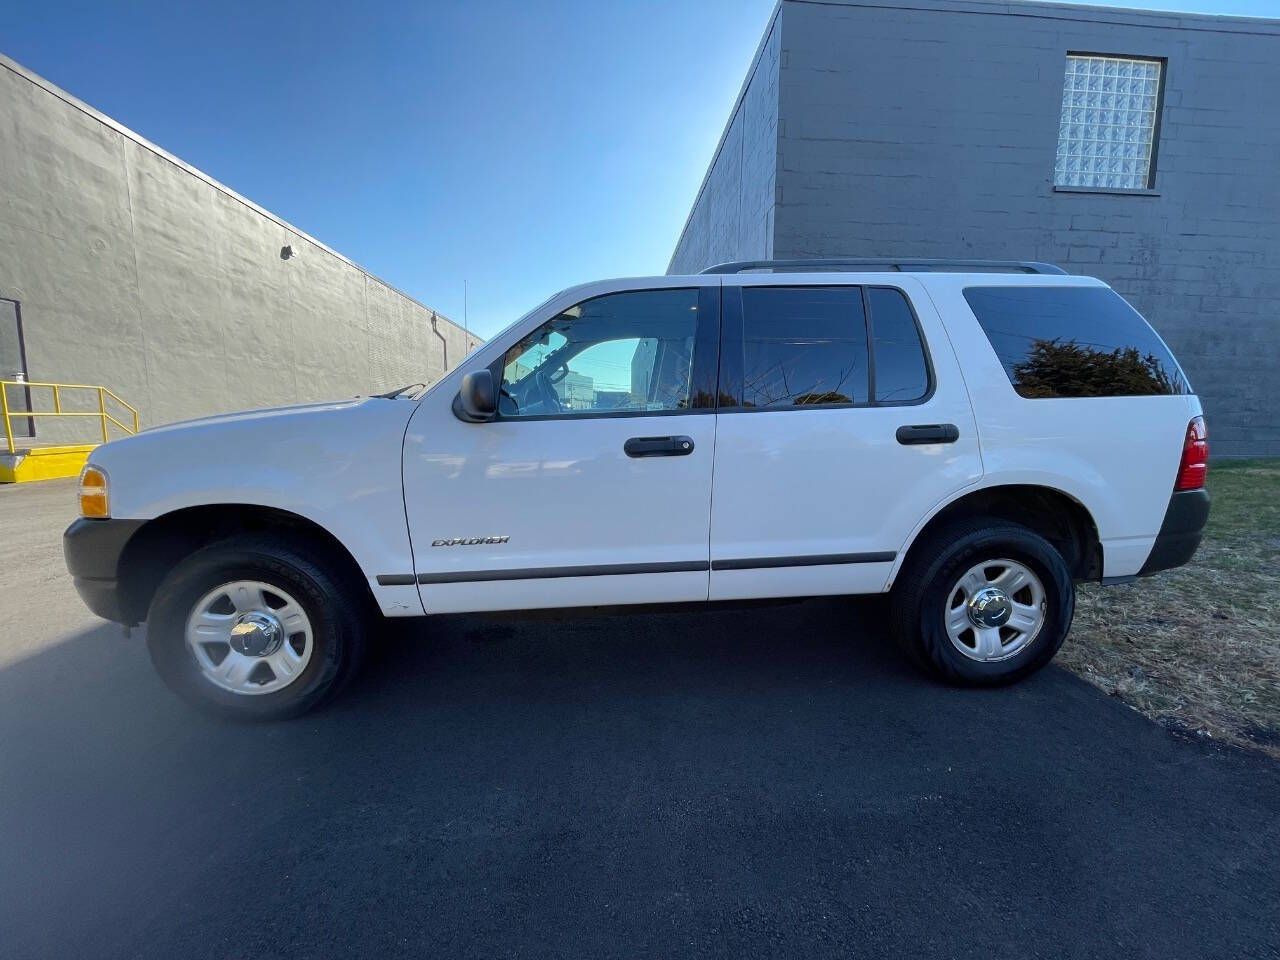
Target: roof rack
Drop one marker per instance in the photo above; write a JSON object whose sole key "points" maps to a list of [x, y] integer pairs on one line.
{"points": [[887, 264]]}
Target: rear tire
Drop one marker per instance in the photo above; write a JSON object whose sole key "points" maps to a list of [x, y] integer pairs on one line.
{"points": [[256, 628], [955, 588]]}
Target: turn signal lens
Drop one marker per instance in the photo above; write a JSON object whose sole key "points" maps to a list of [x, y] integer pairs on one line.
{"points": [[1195, 457], [93, 493]]}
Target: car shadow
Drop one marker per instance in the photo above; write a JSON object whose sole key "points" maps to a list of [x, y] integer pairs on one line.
{"points": [[686, 782]]}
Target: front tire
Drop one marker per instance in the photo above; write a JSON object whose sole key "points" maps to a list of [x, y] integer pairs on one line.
{"points": [[983, 602], [256, 628]]}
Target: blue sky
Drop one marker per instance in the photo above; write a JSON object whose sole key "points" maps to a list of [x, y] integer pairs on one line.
{"points": [[521, 146]]}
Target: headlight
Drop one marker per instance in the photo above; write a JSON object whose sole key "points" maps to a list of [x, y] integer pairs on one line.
{"points": [[93, 492]]}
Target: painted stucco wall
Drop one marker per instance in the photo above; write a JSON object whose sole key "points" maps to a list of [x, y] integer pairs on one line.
{"points": [[137, 272]]}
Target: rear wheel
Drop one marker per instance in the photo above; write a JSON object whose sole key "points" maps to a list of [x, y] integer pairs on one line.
{"points": [[255, 628], [983, 602]]}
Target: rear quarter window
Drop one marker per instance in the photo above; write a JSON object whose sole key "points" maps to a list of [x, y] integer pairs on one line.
{"points": [[1074, 342]]}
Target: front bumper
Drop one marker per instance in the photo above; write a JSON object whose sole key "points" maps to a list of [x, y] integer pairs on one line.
{"points": [[1180, 533], [92, 549]]}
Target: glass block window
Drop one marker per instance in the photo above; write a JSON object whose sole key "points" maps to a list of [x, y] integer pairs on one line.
{"points": [[1107, 130]]}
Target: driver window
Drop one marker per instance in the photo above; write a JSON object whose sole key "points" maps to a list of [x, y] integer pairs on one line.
{"points": [[623, 352]]}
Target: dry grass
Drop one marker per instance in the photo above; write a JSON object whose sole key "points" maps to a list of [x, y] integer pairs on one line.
{"points": [[1198, 649]]}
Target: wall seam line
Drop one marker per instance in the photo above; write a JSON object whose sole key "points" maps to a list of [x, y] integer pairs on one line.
{"points": [[137, 273]]}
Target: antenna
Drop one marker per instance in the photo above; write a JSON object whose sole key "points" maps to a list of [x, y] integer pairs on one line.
{"points": [[465, 328]]}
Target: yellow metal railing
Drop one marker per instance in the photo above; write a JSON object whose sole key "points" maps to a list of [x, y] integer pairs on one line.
{"points": [[101, 414]]}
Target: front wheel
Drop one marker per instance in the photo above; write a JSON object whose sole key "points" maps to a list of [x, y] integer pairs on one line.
{"points": [[983, 602], [255, 628]]}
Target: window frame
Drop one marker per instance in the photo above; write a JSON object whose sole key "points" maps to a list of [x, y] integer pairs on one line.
{"points": [[732, 373], [704, 370], [1150, 188]]}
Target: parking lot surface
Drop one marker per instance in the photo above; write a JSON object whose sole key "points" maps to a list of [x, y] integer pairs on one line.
{"points": [[737, 783]]}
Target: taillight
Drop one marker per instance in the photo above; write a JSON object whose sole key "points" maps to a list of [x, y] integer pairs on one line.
{"points": [[1195, 457]]}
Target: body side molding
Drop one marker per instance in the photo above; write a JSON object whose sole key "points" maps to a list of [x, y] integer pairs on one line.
{"points": [[813, 560], [549, 573]]}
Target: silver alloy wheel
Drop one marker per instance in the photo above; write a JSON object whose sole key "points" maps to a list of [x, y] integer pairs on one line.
{"points": [[250, 637], [995, 610]]}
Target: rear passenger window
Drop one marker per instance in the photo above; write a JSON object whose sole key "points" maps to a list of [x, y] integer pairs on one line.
{"points": [[803, 346], [1074, 342], [901, 374]]}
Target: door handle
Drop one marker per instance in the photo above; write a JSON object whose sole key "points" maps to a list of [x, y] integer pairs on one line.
{"points": [[928, 433], [658, 447]]}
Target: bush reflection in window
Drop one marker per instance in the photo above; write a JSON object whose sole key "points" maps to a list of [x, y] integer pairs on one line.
{"points": [[1056, 369], [1074, 341]]}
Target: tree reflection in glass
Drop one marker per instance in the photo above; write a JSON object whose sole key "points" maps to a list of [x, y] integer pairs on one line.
{"points": [[1057, 369]]}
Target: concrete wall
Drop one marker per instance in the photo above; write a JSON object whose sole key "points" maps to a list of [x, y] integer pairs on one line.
{"points": [[732, 217], [929, 128], [137, 272]]}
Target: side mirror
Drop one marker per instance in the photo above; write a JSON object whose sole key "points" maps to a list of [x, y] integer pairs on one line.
{"points": [[477, 400]]}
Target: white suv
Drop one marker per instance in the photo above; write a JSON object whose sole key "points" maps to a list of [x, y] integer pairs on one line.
{"points": [[970, 437]]}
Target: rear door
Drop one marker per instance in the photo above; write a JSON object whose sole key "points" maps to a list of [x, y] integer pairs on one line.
{"points": [[593, 484], [844, 420]]}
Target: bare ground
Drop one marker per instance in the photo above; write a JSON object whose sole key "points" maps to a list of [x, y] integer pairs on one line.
{"points": [[1198, 649]]}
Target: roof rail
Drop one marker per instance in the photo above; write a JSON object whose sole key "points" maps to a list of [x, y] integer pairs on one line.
{"points": [[887, 264]]}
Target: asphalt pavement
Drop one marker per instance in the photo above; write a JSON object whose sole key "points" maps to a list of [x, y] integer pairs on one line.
{"points": [[731, 783]]}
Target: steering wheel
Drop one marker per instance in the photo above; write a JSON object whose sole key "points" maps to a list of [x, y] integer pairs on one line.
{"points": [[547, 396]]}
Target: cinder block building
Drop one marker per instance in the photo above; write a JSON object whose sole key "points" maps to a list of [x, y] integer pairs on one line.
{"points": [[1141, 148], [121, 265]]}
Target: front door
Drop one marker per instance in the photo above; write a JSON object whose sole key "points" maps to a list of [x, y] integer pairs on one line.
{"points": [[593, 483], [839, 432]]}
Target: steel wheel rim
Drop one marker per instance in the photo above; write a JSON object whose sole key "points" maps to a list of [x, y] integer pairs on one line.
{"points": [[249, 637], [973, 613]]}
